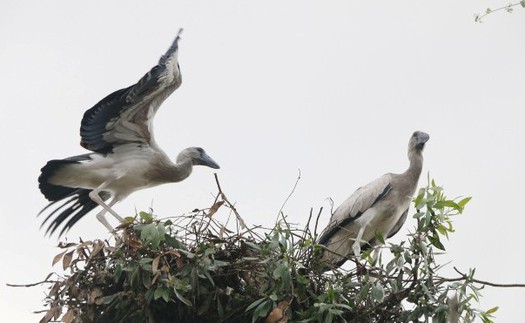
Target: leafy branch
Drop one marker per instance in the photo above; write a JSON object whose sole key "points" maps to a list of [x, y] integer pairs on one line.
{"points": [[508, 8]]}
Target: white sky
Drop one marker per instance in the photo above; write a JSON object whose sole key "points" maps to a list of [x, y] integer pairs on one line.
{"points": [[334, 88]]}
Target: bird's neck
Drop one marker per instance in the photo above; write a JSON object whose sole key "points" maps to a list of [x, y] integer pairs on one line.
{"points": [[180, 171], [416, 164], [165, 171]]}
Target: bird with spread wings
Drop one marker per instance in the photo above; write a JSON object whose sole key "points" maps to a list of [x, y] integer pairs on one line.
{"points": [[124, 158]]}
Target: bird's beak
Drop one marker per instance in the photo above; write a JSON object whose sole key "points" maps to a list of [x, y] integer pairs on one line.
{"points": [[206, 160], [422, 138]]}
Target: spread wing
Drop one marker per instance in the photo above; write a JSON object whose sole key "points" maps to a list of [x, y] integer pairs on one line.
{"points": [[353, 207], [126, 115]]}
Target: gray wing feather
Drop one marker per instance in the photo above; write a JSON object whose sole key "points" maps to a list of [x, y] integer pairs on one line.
{"points": [[126, 115], [398, 224], [354, 206]]}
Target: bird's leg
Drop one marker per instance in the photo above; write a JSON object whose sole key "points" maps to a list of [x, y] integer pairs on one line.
{"points": [[107, 208], [103, 220], [94, 195], [101, 215], [356, 247]]}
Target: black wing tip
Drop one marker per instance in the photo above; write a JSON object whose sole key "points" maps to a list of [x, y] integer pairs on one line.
{"points": [[70, 211], [330, 231], [384, 193], [173, 48]]}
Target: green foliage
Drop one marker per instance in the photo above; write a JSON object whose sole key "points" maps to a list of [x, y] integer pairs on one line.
{"points": [[193, 268]]}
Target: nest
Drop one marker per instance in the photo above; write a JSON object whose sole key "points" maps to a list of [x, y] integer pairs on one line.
{"points": [[193, 268], [182, 269]]}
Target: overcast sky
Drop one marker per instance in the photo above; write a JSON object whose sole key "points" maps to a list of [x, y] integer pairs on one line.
{"points": [[333, 88]]}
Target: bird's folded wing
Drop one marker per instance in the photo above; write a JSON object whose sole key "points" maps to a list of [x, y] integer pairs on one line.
{"points": [[353, 207]]}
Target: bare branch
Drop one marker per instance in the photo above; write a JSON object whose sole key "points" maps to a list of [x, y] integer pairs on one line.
{"points": [[30, 285], [465, 276], [289, 195]]}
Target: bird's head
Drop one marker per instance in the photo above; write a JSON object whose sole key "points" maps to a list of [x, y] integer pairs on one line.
{"points": [[197, 156], [418, 140]]}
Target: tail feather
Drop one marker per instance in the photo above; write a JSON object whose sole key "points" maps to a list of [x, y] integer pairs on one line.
{"points": [[57, 192], [74, 201], [76, 205]]}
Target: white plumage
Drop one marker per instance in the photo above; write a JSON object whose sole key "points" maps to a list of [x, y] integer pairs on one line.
{"points": [[379, 207]]}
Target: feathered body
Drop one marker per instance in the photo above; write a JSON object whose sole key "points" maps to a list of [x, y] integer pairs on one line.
{"points": [[380, 207]]}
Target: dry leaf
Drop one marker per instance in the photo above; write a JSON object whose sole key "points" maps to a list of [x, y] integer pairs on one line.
{"points": [[155, 277], [66, 261], [64, 245], [99, 246], [69, 316], [94, 296], [135, 244], [180, 263], [174, 253], [58, 257], [54, 312], [214, 208], [155, 264]]}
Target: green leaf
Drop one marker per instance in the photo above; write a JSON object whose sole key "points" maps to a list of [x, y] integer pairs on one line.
{"points": [[109, 299], [254, 304], [366, 255], [330, 292], [335, 311], [447, 203], [159, 292], [434, 240], [464, 201], [262, 310], [182, 298], [378, 293], [149, 233], [118, 272], [492, 310], [146, 217], [162, 230], [363, 293], [172, 242], [379, 237], [419, 199], [252, 245]]}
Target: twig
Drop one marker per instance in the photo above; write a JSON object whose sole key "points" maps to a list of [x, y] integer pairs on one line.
{"points": [[289, 195], [30, 285], [232, 207], [508, 8], [317, 222], [465, 276]]}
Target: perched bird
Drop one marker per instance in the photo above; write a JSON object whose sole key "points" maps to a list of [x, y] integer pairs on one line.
{"points": [[125, 157], [380, 207]]}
